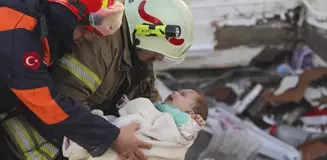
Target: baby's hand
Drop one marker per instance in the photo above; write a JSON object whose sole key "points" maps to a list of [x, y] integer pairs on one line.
{"points": [[198, 120]]}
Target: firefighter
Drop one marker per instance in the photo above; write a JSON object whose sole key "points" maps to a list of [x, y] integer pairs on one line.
{"points": [[103, 69], [33, 35]]}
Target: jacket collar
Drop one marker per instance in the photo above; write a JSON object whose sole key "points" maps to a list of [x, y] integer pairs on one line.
{"points": [[125, 62]]}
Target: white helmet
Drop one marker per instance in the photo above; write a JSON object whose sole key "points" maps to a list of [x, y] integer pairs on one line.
{"points": [[161, 26]]}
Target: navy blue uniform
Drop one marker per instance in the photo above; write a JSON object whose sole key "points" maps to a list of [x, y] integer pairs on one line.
{"points": [[24, 59]]}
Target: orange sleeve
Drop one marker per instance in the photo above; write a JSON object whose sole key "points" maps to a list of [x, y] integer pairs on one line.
{"points": [[27, 76], [40, 102]]}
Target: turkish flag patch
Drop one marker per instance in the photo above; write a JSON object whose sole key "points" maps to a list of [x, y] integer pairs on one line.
{"points": [[32, 60]]}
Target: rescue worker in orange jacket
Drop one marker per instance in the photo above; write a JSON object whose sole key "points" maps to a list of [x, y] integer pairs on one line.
{"points": [[33, 34]]}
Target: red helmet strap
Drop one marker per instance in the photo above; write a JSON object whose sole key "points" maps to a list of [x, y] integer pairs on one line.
{"points": [[81, 8]]}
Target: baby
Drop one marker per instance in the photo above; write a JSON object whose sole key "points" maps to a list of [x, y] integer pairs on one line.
{"points": [[186, 106], [170, 126]]}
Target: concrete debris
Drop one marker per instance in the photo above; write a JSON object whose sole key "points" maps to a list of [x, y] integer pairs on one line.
{"points": [[280, 34], [269, 103], [229, 96], [314, 150], [283, 106], [295, 94]]}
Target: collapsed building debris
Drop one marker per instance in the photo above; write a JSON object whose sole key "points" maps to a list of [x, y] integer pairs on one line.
{"points": [[280, 106], [268, 98]]}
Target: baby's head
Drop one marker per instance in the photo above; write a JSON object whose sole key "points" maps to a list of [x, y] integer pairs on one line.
{"points": [[189, 100]]}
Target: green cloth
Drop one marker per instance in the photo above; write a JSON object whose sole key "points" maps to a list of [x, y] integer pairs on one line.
{"points": [[179, 116]]}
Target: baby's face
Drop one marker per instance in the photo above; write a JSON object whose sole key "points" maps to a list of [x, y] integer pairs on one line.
{"points": [[184, 99]]}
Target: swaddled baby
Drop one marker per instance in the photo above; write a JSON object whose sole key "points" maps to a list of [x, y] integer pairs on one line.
{"points": [[170, 127], [188, 109]]}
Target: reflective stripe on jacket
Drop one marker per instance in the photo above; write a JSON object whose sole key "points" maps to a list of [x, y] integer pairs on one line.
{"points": [[29, 143], [24, 77], [97, 69]]}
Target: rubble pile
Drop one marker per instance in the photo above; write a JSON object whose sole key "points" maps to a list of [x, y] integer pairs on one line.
{"points": [[277, 111], [271, 108]]}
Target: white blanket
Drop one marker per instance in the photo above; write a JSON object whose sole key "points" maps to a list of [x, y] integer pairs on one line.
{"points": [[157, 128]]}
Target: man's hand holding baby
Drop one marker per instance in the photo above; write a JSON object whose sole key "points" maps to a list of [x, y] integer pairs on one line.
{"points": [[127, 142]]}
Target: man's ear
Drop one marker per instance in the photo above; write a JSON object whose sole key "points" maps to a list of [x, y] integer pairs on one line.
{"points": [[79, 31]]}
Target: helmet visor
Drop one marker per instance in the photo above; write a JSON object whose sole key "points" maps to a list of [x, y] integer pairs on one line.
{"points": [[173, 60], [107, 20]]}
